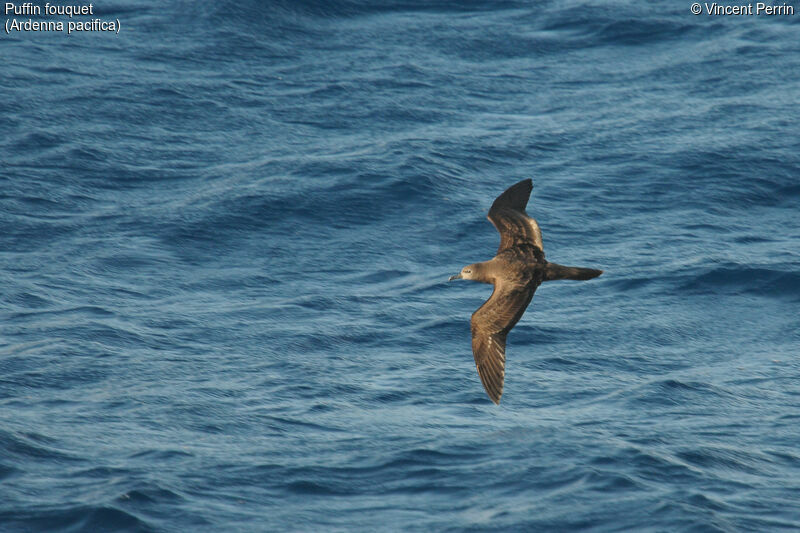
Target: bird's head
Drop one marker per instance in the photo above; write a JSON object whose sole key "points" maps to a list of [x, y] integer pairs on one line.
{"points": [[468, 272]]}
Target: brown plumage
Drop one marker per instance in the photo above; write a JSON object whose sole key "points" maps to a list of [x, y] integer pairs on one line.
{"points": [[516, 271]]}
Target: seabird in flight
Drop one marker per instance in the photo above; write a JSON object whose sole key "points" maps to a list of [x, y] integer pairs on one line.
{"points": [[516, 271]]}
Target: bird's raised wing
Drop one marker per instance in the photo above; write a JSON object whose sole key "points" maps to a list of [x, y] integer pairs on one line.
{"points": [[490, 325], [509, 217]]}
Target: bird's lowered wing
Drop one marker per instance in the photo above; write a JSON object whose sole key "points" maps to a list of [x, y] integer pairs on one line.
{"points": [[490, 325], [509, 217]]}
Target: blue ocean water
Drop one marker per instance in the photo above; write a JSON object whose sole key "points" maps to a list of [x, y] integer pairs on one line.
{"points": [[225, 235]]}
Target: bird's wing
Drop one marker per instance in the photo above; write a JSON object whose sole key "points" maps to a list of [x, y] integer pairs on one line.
{"points": [[490, 325], [509, 217]]}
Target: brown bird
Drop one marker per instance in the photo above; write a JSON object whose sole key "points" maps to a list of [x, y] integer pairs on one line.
{"points": [[516, 271]]}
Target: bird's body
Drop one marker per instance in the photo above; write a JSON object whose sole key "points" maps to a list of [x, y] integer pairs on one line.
{"points": [[516, 271]]}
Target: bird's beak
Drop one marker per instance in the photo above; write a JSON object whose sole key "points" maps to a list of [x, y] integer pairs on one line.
{"points": [[457, 276]]}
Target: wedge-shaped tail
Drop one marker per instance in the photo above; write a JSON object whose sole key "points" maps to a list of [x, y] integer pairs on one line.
{"points": [[554, 271]]}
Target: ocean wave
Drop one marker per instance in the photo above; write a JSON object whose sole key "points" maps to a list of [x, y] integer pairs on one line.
{"points": [[674, 392], [76, 518], [353, 8], [25, 446], [732, 278]]}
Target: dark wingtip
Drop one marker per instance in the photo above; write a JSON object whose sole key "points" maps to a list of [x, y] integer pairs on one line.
{"points": [[526, 184], [516, 196], [494, 390]]}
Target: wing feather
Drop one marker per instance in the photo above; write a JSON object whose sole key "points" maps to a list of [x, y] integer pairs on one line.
{"points": [[508, 215], [490, 325]]}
